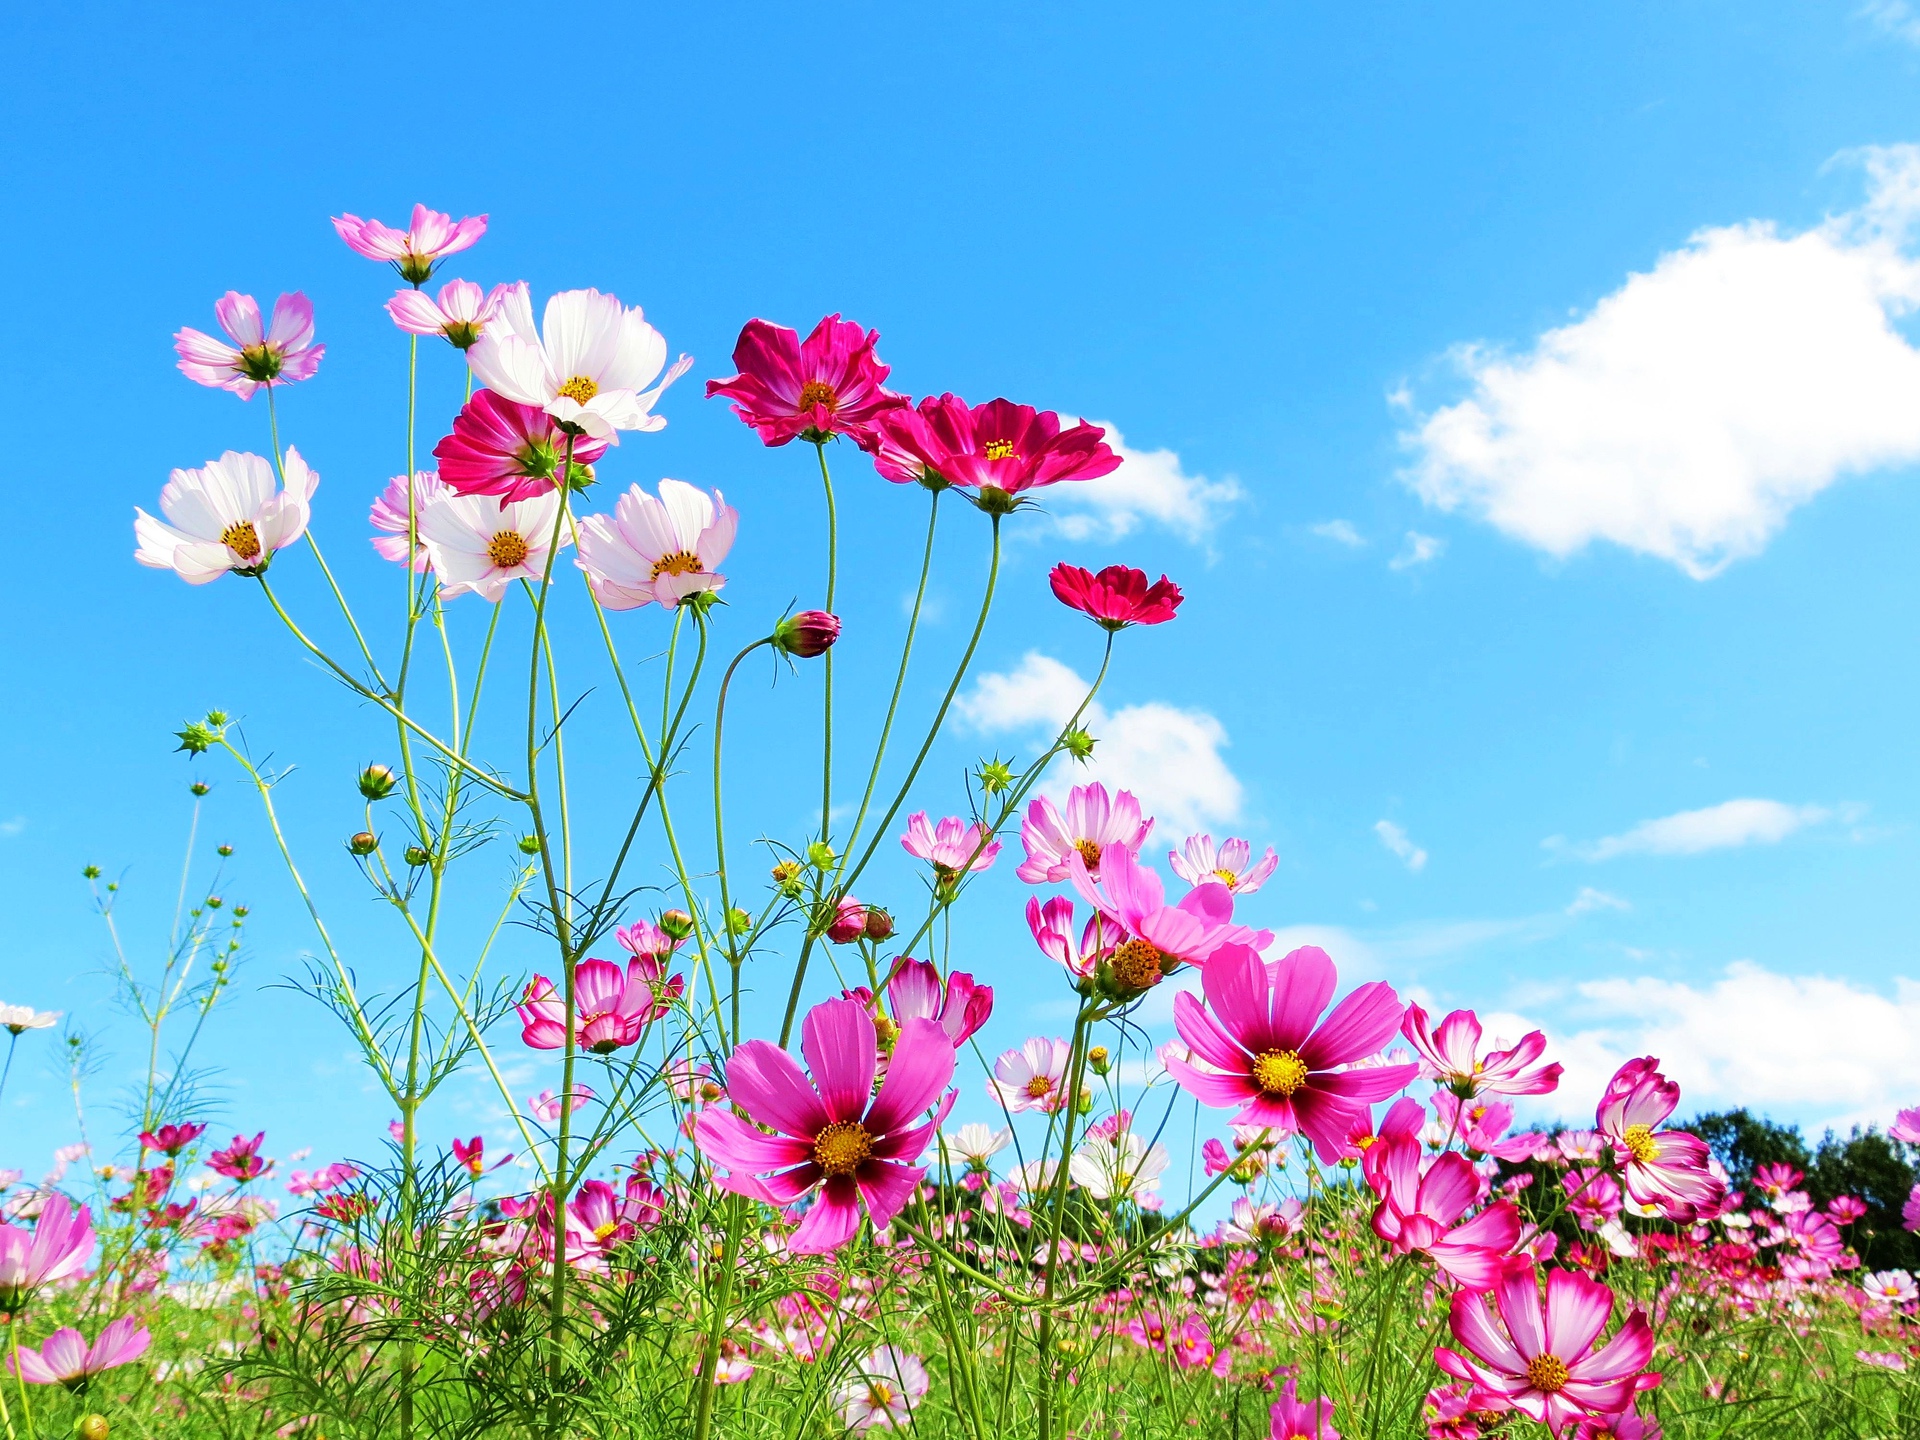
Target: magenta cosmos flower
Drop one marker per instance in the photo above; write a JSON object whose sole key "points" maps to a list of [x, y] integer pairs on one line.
{"points": [[272, 355], [171, 1139], [1198, 862], [228, 515], [66, 1358], [1295, 1419], [1052, 926], [957, 1005], [59, 1244], [657, 551], [610, 1008], [504, 448], [1093, 822], [950, 846], [999, 450], [1265, 1048], [812, 389], [1159, 938], [1667, 1168], [835, 1136], [1540, 1360], [460, 316], [1450, 1055], [1422, 1202], [1117, 597], [415, 250], [241, 1160]]}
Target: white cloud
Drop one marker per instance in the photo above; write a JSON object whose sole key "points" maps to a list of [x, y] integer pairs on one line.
{"points": [[11, 828], [1725, 826], [1418, 550], [1895, 17], [1590, 899], [1341, 532], [1149, 486], [1692, 409], [1167, 756], [1395, 839]]}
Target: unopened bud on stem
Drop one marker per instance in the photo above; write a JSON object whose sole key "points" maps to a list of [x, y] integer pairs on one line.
{"points": [[810, 633]]}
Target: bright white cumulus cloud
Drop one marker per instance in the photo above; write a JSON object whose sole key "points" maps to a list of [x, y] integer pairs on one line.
{"points": [[1696, 406], [1150, 487], [1725, 826], [1169, 757]]}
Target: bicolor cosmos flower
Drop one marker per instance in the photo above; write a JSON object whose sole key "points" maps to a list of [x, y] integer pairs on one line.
{"points": [[1034, 1077], [1120, 1167], [1117, 597], [479, 547], [1295, 1419], [58, 1245], [278, 354], [171, 1139], [958, 1006], [1264, 1046], [998, 450], [1052, 926], [652, 950], [883, 1390], [836, 1139], [1421, 1206], [228, 515], [389, 516], [584, 364], [812, 389], [66, 1358], [611, 1219], [1257, 1221], [1667, 1168], [950, 846], [460, 315], [1160, 937], [1540, 1360], [1619, 1427], [18, 1019], [429, 238], [1092, 823], [501, 447], [610, 1008], [1198, 862], [1450, 1055], [657, 551]]}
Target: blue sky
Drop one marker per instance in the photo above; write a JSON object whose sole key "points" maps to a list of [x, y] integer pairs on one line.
{"points": [[1524, 399]]}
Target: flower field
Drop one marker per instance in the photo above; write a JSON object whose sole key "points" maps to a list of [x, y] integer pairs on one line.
{"points": [[1313, 1215]]}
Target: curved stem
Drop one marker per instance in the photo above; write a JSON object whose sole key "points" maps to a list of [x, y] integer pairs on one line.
{"points": [[826, 727], [720, 835]]}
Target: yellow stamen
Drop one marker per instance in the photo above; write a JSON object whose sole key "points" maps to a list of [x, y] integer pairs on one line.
{"points": [[999, 450], [507, 549], [1226, 878], [1039, 1087], [1639, 1143], [818, 392], [1137, 965], [1279, 1072], [581, 388], [842, 1147], [1089, 852], [680, 562], [603, 1231], [1548, 1373], [241, 538]]}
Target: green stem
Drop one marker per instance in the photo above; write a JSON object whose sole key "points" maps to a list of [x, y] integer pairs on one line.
{"points": [[720, 837], [826, 728], [717, 1324]]}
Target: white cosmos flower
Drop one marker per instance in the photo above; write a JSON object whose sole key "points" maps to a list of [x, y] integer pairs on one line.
{"points": [[883, 1391], [226, 516], [1119, 1168], [975, 1144], [584, 366], [657, 551], [24, 1017], [479, 545]]}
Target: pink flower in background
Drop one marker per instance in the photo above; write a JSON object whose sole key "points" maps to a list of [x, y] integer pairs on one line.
{"points": [[652, 950], [58, 1245], [1199, 863], [1261, 1044], [835, 1136], [327, 1178], [657, 551], [66, 1358], [1162, 937], [478, 547], [1052, 926], [1034, 1077], [1254, 1221], [610, 1008], [1420, 1210], [460, 316], [1117, 597], [1618, 1427], [1906, 1126], [241, 1160], [389, 517], [812, 389], [545, 1106], [472, 1154], [1000, 450], [1297, 1419], [1476, 1124], [1845, 1209], [959, 1007], [171, 1139], [1667, 1168], [1092, 824], [278, 354], [1910, 1212], [611, 1219], [1891, 1287], [1592, 1197], [503, 448], [1813, 1248], [882, 1391], [950, 845], [226, 516], [1451, 1056], [584, 365], [429, 238], [1540, 1360], [1774, 1181]]}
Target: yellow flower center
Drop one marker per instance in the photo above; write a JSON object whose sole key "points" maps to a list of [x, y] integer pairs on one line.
{"points": [[1638, 1142], [999, 450], [507, 549], [680, 562], [1040, 1087], [1136, 965], [603, 1231], [241, 538], [818, 392], [1226, 878], [1279, 1072], [1089, 852], [841, 1147], [879, 1393], [1548, 1373], [581, 388]]}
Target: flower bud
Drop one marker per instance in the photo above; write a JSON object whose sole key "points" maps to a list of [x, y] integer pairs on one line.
{"points": [[198, 788], [1078, 743], [216, 718], [365, 843], [995, 776], [1099, 1060], [91, 872], [786, 877], [417, 855], [677, 923], [196, 739], [90, 1427], [810, 633], [214, 902], [377, 782], [879, 924], [849, 922], [820, 855], [739, 922], [223, 851], [1085, 1107], [529, 844], [239, 912]]}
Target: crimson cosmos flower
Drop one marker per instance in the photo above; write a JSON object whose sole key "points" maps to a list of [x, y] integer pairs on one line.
{"points": [[610, 1007], [171, 1139], [1117, 597], [501, 447], [826, 385], [241, 1160], [999, 449]]}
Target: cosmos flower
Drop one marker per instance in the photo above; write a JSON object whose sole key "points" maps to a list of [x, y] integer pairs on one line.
{"points": [[1052, 926], [1034, 1077], [1451, 1056], [1906, 1126], [545, 1106], [1199, 863], [17, 1019], [389, 513], [480, 547], [657, 551], [241, 1160], [66, 1358], [610, 1008], [1667, 1168], [503, 448], [429, 238], [171, 1139], [882, 1391], [973, 1145], [1092, 823], [275, 355], [1121, 1166], [957, 1005], [1117, 597], [226, 516], [58, 1245], [950, 846], [459, 316], [812, 389], [1420, 1210], [998, 450], [1295, 1419], [472, 1156], [1161, 937]]}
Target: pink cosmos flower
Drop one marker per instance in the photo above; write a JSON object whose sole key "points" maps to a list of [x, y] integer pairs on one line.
{"points": [[61, 1241], [657, 551], [276, 355], [1451, 1056], [472, 1154], [1618, 1427], [326, 1178], [478, 547], [460, 316], [610, 1008], [1297, 1419], [504, 448], [1452, 1413], [66, 1358], [1891, 1287], [1192, 1347], [584, 365], [883, 1390], [1845, 1209], [611, 1219], [959, 1007], [1906, 1126], [1910, 1212], [1117, 597], [826, 385], [1266, 1049], [1540, 1360], [430, 237], [1000, 450], [226, 516], [389, 516], [1476, 1124], [652, 950], [835, 1136], [545, 1106], [1254, 1222], [1162, 937], [241, 1160], [1813, 1248], [949, 846], [1199, 863], [1667, 1168], [171, 1139], [1052, 926], [1092, 823], [1421, 1205], [1034, 1077], [1592, 1197]]}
